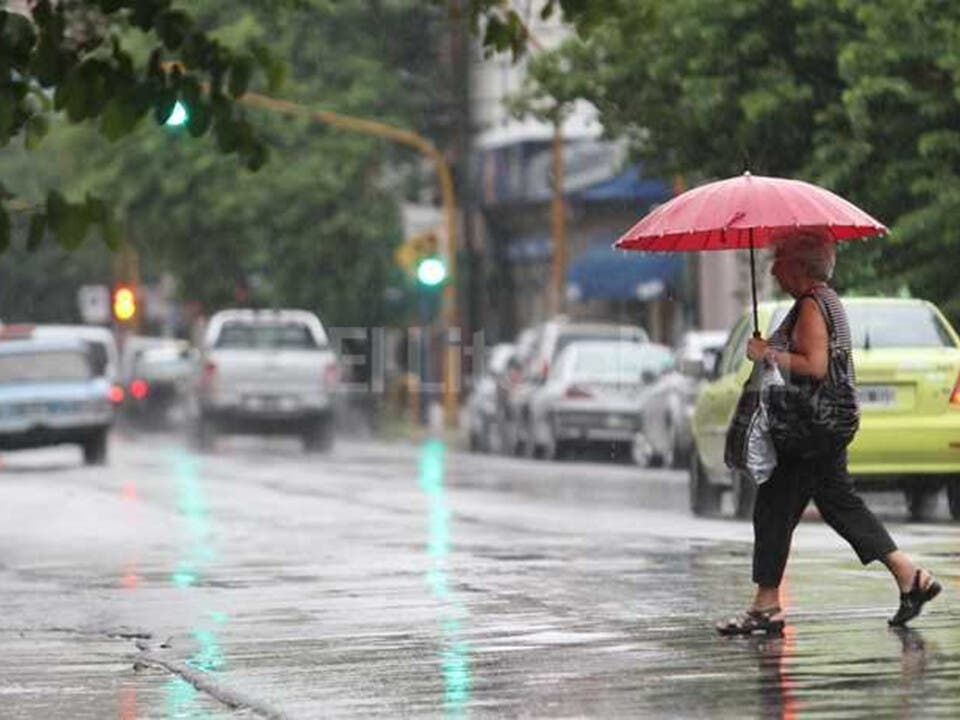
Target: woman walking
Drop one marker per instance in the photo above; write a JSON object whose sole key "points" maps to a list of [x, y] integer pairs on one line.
{"points": [[803, 264]]}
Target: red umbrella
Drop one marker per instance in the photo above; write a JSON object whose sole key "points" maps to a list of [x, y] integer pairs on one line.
{"points": [[747, 212]]}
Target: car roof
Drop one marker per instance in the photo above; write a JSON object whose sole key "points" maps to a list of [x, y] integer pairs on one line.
{"points": [[34, 345]]}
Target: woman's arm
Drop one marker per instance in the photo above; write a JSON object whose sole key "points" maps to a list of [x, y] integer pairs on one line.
{"points": [[810, 340]]}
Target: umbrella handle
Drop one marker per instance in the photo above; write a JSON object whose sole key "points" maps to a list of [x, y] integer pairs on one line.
{"points": [[753, 288]]}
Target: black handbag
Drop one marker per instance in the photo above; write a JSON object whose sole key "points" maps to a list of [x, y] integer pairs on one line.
{"points": [[816, 417]]}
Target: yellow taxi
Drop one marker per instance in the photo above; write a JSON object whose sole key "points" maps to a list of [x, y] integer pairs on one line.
{"points": [[907, 361]]}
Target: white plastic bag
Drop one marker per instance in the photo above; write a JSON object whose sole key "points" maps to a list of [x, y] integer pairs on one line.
{"points": [[761, 456]]}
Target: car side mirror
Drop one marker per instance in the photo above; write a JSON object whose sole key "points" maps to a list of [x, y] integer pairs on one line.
{"points": [[648, 377]]}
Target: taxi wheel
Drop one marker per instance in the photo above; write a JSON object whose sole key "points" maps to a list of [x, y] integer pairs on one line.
{"points": [[744, 495], [921, 502], [705, 497], [953, 497]]}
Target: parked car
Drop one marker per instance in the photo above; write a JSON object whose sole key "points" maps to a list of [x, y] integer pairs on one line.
{"points": [[103, 348], [667, 405], [52, 393], [159, 380], [907, 361], [550, 340], [267, 371], [590, 395], [481, 408]]}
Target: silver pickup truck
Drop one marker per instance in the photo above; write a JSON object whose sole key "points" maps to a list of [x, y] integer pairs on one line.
{"points": [[266, 372]]}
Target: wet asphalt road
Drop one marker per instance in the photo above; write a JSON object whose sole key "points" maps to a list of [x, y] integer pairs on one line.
{"points": [[396, 580]]}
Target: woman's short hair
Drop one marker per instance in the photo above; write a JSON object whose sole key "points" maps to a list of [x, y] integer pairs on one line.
{"points": [[816, 254]]}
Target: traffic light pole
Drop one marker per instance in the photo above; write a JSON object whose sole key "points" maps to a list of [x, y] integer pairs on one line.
{"points": [[448, 199]]}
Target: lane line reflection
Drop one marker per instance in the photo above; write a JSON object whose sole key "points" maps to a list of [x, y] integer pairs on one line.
{"points": [[455, 654], [188, 574]]}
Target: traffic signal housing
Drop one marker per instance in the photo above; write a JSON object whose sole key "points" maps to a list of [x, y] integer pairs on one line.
{"points": [[421, 258], [124, 303]]}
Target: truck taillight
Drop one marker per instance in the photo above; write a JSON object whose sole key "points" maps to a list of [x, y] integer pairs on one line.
{"points": [[955, 395], [331, 376]]}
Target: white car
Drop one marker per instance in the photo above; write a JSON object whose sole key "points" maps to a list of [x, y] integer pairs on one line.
{"points": [[267, 372], [52, 394], [666, 406], [591, 393]]}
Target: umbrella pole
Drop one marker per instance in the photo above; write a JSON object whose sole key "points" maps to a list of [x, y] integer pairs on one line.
{"points": [[753, 287]]}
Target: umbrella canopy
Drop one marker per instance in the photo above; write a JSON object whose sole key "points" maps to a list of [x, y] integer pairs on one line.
{"points": [[747, 211]]}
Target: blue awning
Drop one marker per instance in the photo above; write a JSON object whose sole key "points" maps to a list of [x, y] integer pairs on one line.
{"points": [[628, 185], [602, 273]]}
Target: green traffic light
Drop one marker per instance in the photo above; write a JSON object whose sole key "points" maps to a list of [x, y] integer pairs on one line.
{"points": [[431, 272], [178, 116]]}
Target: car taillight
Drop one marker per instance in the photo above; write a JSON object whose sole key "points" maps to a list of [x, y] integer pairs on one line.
{"points": [[139, 389], [116, 394], [331, 375], [955, 395], [575, 392], [209, 370]]}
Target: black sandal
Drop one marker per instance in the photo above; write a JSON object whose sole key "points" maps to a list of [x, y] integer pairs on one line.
{"points": [[753, 622], [912, 602]]}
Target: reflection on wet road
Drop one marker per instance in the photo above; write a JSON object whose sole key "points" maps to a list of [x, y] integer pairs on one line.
{"points": [[416, 581], [455, 661]]}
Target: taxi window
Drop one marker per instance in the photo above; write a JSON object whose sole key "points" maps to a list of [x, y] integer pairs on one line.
{"points": [[57, 366], [736, 347], [889, 325]]}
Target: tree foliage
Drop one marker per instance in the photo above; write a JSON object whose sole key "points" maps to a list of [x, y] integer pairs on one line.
{"points": [[862, 96], [107, 62], [315, 227]]}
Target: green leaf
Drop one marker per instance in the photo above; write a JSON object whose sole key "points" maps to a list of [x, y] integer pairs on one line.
{"points": [[241, 71], [38, 227], [17, 38], [257, 156], [172, 26], [119, 118], [37, 128]]}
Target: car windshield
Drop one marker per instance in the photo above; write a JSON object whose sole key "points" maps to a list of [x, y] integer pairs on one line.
{"points": [[619, 362], [45, 366], [890, 325], [291, 335]]}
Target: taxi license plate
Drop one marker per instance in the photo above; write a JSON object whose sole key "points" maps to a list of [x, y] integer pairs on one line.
{"points": [[877, 396]]}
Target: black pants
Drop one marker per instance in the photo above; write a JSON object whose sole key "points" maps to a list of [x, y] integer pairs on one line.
{"points": [[781, 502]]}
